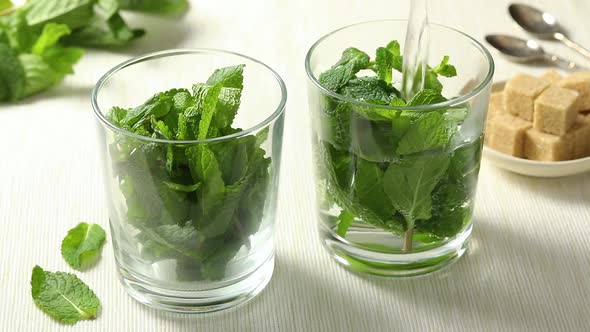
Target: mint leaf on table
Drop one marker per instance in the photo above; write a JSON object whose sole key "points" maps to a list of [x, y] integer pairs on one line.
{"points": [[38, 33], [171, 7], [110, 7], [42, 62], [12, 75], [63, 296], [104, 31], [410, 183], [73, 13], [82, 245], [5, 4]]}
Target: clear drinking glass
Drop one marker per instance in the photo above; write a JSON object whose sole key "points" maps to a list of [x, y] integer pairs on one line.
{"points": [[211, 260], [366, 189]]}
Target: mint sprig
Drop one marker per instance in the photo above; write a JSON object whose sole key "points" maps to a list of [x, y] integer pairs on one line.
{"points": [[195, 203], [39, 42]]}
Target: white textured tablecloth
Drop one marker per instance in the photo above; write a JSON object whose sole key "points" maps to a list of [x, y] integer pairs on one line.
{"points": [[529, 263]]}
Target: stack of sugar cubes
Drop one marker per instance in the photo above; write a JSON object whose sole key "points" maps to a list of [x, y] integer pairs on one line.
{"points": [[541, 118]]}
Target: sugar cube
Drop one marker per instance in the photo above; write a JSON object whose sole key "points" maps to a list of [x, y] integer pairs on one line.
{"points": [[496, 106], [580, 82], [508, 134], [520, 93], [551, 76], [555, 110], [546, 147], [579, 138]]}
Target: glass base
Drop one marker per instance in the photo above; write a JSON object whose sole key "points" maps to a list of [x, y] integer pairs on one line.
{"points": [[360, 259], [200, 301]]}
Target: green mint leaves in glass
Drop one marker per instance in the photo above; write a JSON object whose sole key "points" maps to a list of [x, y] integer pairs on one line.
{"points": [[396, 177], [193, 194]]}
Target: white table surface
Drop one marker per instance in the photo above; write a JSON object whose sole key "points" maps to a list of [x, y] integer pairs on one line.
{"points": [[529, 263]]}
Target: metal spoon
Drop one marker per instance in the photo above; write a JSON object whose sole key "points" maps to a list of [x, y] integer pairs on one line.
{"points": [[521, 50], [543, 25]]}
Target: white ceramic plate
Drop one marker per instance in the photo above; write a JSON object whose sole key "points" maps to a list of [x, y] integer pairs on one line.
{"points": [[535, 168], [546, 169]]}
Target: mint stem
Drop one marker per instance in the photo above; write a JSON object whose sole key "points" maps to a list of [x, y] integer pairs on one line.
{"points": [[407, 244]]}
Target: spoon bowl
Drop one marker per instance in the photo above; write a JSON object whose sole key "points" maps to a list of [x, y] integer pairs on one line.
{"points": [[543, 25], [516, 49], [521, 50], [534, 21]]}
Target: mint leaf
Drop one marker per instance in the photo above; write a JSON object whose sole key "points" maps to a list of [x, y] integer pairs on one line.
{"points": [[20, 36], [73, 13], [110, 7], [368, 189], [356, 58], [428, 132], [5, 4], [81, 247], [207, 97], [63, 296], [427, 97], [350, 63], [410, 183], [104, 32], [51, 34], [394, 47], [387, 59], [228, 77], [170, 7], [445, 69], [450, 211], [345, 219], [12, 75], [431, 81], [384, 64], [38, 74], [397, 101], [182, 187], [369, 89], [335, 78], [159, 105]]}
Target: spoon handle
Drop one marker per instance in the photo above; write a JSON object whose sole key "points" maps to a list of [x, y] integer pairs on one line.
{"points": [[563, 63], [573, 45]]}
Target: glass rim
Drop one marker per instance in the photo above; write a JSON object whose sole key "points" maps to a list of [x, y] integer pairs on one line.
{"points": [[280, 108], [449, 103]]}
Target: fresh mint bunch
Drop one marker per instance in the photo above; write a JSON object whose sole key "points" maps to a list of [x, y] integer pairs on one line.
{"points": [[398, 170], [197, 203], [39, 42]]}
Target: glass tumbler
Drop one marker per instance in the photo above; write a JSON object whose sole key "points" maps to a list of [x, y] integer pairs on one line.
{"points": [[177, 246], [386, 207]]}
